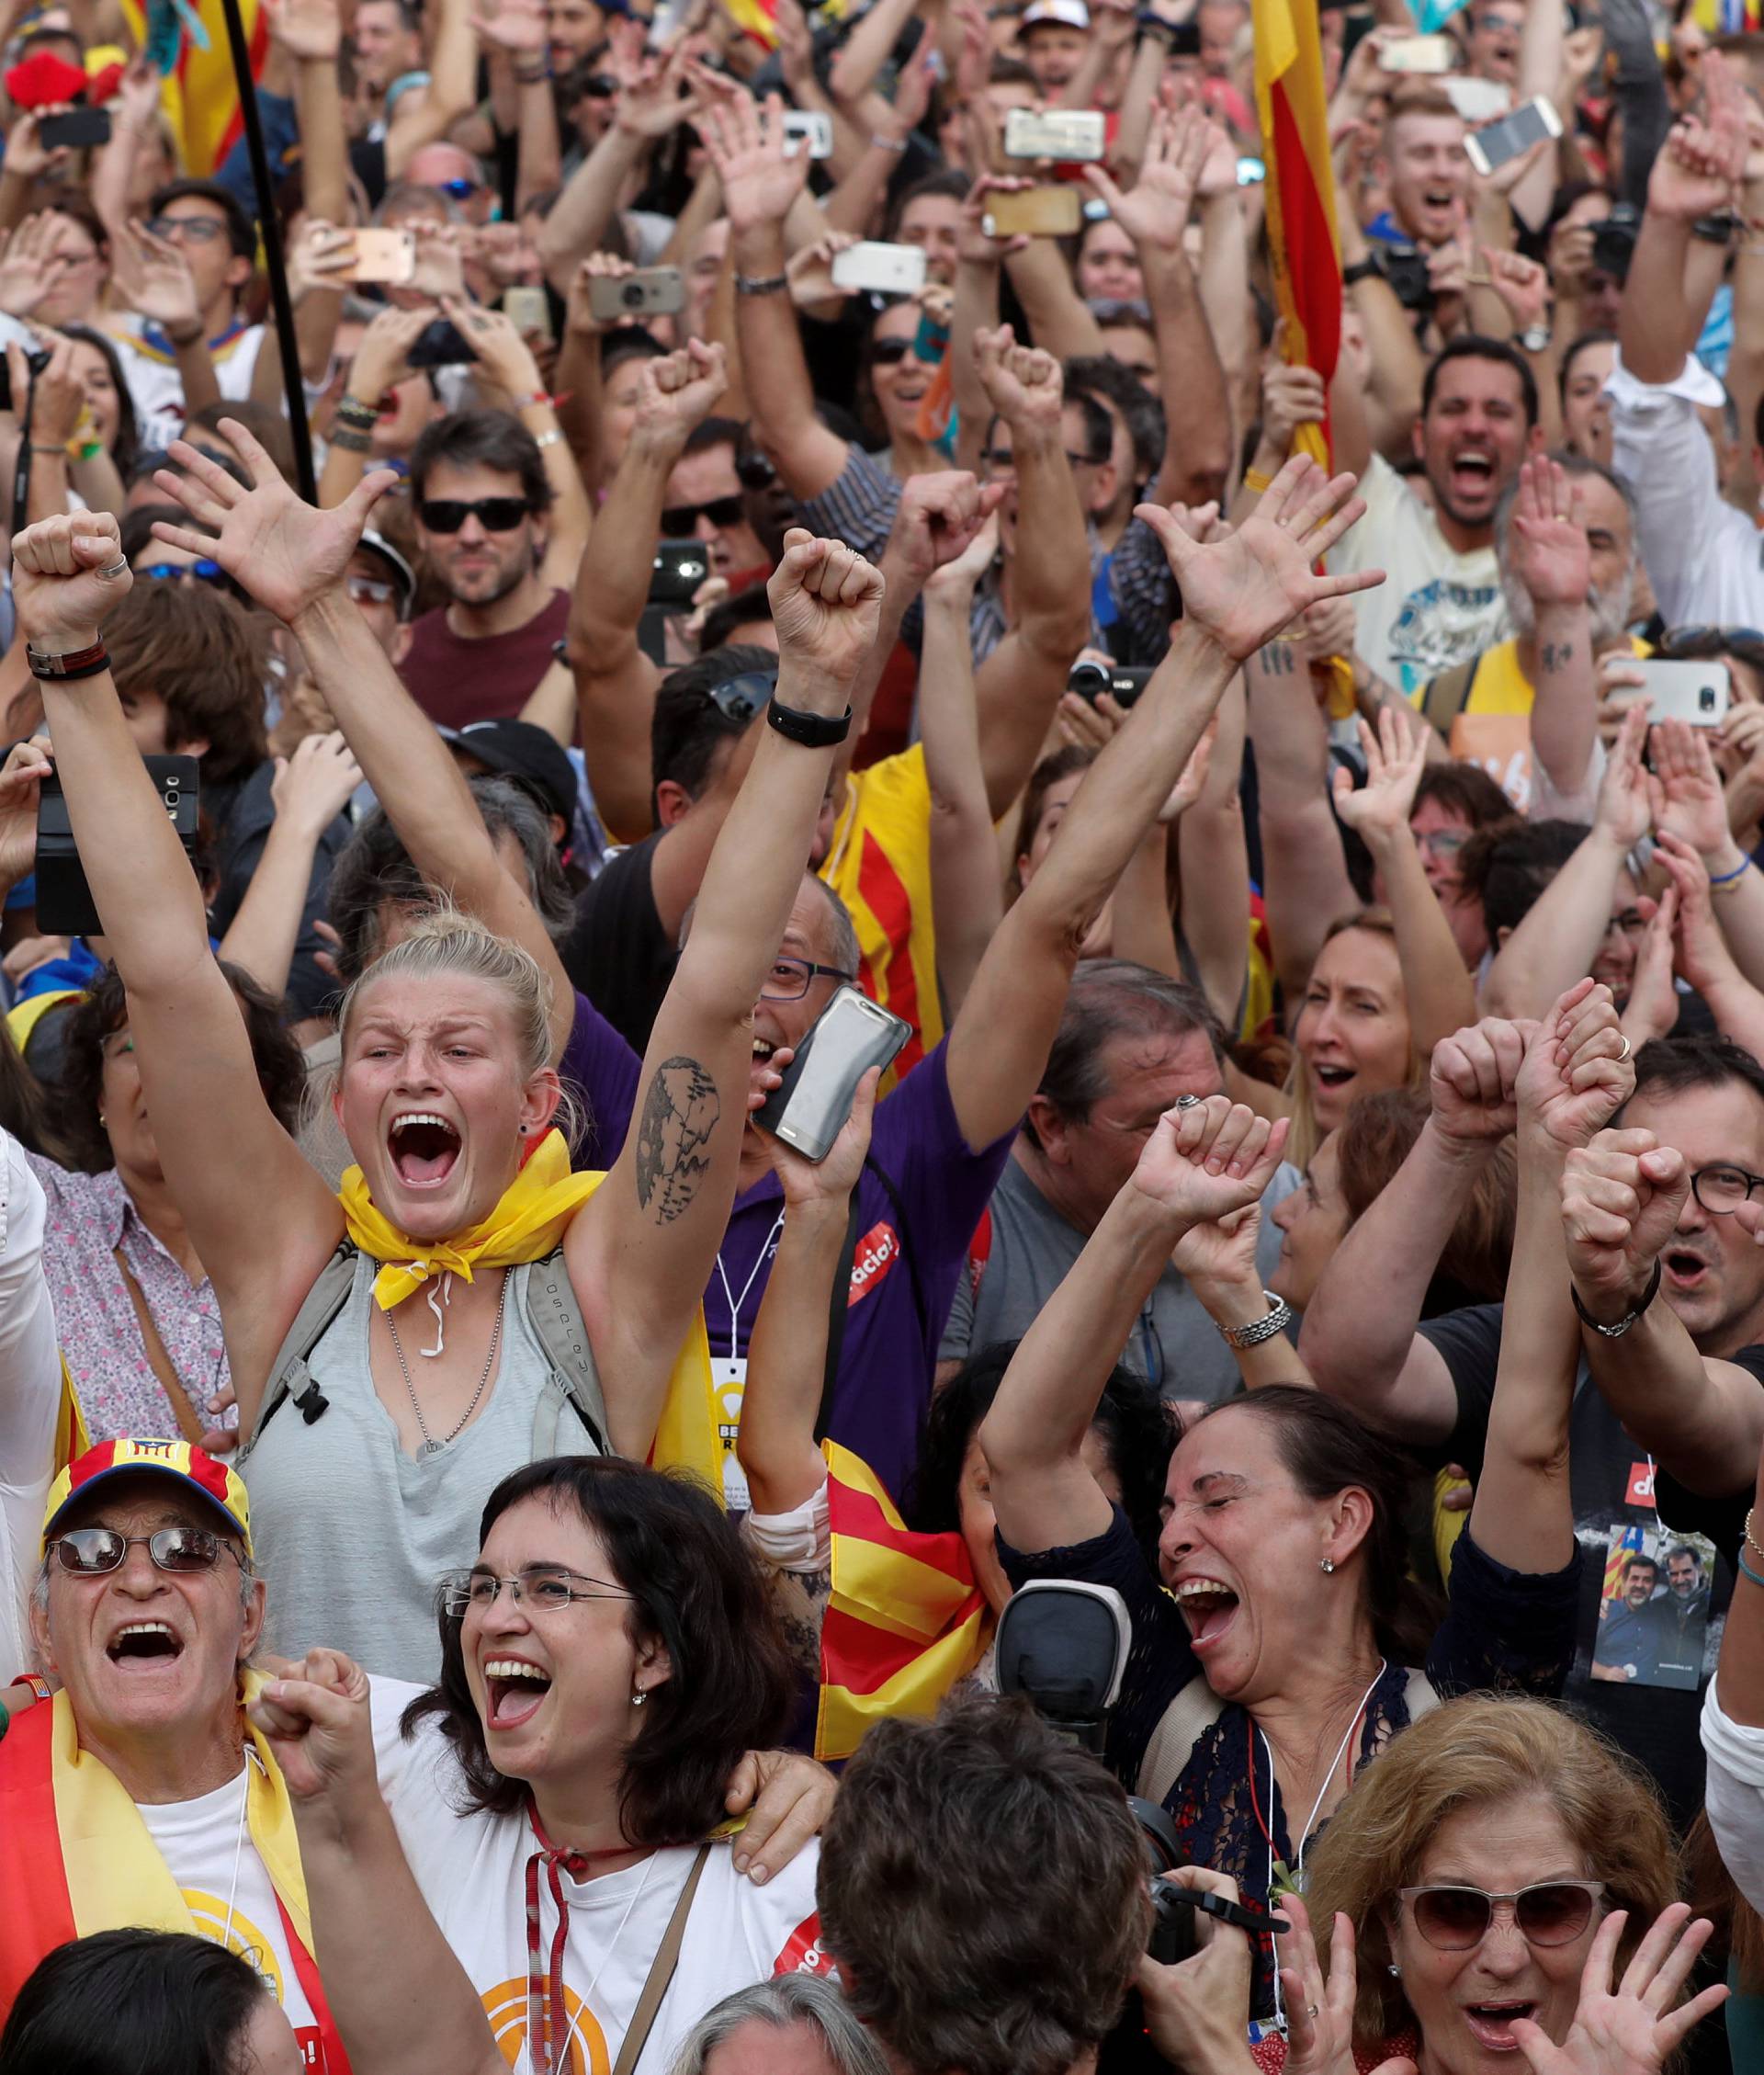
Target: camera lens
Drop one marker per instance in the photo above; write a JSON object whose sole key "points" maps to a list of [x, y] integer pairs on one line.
{"points": [[1706, 698], [1089, 680], [631, 295]]}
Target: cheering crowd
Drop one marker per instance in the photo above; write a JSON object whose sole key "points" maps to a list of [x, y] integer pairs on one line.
{"points": [[883, 989]]}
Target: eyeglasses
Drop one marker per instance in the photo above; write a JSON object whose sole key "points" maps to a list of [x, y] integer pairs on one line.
{"points": [[1629, 922], [600, 87], [888, 352], [788, 979], [1722, 1190], [1678, 637], [89, 1552], [740, 698], [1442, 842], [678, 520], [199, 230], [545, 1592], [455, 190], [1456, 1919], [495, 515], [370, 591], [203, 572]]}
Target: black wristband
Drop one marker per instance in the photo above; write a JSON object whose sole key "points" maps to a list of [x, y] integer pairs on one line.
{"points": [[1361, 270], [813, 731], [1629, 1319]]}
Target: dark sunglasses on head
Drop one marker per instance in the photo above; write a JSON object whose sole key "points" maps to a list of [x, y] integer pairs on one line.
{"points": [[90, 1551], [740, 698], [203, 572], [495, 515], [678, 520], [1456, 1919], [1694, 643]]}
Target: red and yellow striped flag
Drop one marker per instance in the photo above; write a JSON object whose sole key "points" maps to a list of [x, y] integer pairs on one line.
{"points": [[1292, 111], [200, 95], [906, 1619]]}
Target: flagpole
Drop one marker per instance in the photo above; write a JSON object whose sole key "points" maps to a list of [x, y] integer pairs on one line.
{"points": [[281, 307]]}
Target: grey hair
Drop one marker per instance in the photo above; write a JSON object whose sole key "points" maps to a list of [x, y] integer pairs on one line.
{"points": [[1115, 998], [1611, 613], [785, 2001], [848, 954]]}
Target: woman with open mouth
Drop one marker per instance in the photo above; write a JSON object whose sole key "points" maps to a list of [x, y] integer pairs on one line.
{"points": [[426, 1381], [1285, 1652]]}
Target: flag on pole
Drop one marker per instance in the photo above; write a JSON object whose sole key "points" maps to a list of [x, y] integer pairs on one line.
{"points": [[1292, 111], [199, 94]]}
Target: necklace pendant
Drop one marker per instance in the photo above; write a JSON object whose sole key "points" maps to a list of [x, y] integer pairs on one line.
{"points": [[432, 1448]]}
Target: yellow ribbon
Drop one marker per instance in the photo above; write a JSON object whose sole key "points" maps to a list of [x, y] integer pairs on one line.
{"points": [[529, 1221]]}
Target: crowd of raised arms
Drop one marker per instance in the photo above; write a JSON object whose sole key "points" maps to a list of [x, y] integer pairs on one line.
{"points": [[882, 1037]]}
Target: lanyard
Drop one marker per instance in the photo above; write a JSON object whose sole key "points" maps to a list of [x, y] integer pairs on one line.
{"points": [[735, 1302]]}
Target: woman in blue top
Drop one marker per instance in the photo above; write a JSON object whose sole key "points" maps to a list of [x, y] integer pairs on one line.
{"points": [[1283, 1653]]}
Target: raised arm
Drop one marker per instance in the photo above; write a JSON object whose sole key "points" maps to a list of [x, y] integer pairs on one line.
{"points": [[1551, 558], [1688, 801], [1369, 1356], [309, 790], [1235, 593], [294, 560], [1575, 1073], [425, 118], [651, 104], [640, 1251], [262, 1221], [1042, 1489]]}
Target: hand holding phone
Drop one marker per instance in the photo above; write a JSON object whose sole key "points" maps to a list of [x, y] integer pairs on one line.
{"points": [[851, 1036]]}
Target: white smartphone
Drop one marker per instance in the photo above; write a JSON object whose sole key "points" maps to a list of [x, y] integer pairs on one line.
{"points": [[882, 270], [1495, 146], [1477, 100], [1418, 54], [1055, 133], [1696, 693], [807, 130], [851, 1035]]}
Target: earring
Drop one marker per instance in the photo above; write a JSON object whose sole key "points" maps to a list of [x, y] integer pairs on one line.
{"points": [[638, 1696], [1328, 1565], [1395, 1969]]}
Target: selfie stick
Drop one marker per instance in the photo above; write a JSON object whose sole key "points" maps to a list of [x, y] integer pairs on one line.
{"points": [[267, 230]]}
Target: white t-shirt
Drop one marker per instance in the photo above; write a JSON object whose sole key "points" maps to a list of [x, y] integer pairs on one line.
{"points": [[154, 386], [30, 1365], [1436, 608], [471, 1872]]}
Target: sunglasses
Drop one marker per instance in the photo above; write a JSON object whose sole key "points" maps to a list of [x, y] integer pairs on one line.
{"points": [[89, 1552], [740, 698], [890, 352], [495, 515], [678, 520], [370, 591], [1456, 1919], [455, 190], [203, 572]]}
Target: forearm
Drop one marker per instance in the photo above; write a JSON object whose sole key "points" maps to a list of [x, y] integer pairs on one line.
{"points": [[263, 934], [852, 204], [703, 206], [578, 224], [1224, 289], [571, 515], [1738, 1008], [974, 309], [1140, 925], [46, 493], [1739, 909], [1739, 1680], [1214, 866], [1051, 576], [1651, 325], [325, 147], [966, 893], [1059, 320], [539, 155], [452, 90], [15, 200], [344, 469], [780, 396], [1556, 942], [612, 584], [579, 405], [99, 483], [1198, 456], [1240, 1301], [1140, 97], [866, 49], [1564, 712], [196, 372], [787, 1361]]}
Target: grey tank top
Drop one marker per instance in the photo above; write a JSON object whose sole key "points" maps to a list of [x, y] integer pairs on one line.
{"points": [[353, 1533]]}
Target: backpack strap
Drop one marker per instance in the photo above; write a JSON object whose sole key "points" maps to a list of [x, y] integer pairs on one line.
{"points": [[1181, 1725], [288, 1375], [557, 1325], [1447, 694], [843, 1289]]}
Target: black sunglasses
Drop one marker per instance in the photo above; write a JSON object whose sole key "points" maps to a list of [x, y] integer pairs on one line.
{"points": [[88, 1552], [890, 352], [740, 698], [495, 515], [678, 520]]}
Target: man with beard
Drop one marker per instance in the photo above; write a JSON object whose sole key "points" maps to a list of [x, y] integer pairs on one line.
{"points": [[1441, 601], [479, 486], [1525, 707]]}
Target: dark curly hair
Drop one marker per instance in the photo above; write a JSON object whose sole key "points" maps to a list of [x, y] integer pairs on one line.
{"points": [[281, 1071], [1137, 1429], [694, 1587]]}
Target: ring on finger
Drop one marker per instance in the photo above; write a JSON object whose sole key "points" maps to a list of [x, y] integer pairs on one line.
{"points": [[1624, 1053]]}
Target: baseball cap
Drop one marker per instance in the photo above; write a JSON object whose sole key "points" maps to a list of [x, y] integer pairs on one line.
{"points": [[525, 751], [179, 1462], [1070, 13], [397, 568]]}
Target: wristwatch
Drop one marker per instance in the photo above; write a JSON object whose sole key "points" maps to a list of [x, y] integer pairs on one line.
{"points": [[1278, 1317], [1534, 338], [1361, 270]]}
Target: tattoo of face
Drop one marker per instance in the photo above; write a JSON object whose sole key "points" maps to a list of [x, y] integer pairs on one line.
{"points": [[680, 1113]]}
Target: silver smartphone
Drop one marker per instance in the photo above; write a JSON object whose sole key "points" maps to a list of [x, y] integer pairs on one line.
{"points": [[1492, 146], [1055, 133], [646, 291], [849, 1036], [807, 130], [1696, 693], [882, 270]]}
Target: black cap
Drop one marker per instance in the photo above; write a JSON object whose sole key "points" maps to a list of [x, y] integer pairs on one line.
{"points": [[525, 751]]}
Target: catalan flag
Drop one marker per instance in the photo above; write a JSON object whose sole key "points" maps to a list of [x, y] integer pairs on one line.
{"points": [[200, 95], [906, 1620], [1631, 1542], [1292, 111]]}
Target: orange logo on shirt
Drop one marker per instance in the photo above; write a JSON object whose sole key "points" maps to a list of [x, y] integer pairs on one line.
{"points": [[584, 2053]]}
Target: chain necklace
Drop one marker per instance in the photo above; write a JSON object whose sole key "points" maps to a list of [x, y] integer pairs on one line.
{"points": [[431, 1446]]}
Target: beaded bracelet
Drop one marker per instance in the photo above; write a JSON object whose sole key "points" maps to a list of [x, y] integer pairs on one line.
{"points": [[1749, 1537]]}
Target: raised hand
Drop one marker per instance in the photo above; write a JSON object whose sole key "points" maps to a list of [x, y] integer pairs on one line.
{"points": [[1621, 1198], [1522, 285], [152, 277], [309, 30], [21, 783], [807, 1182], [675, 393], [318, 1727], [312, 787], [1209, 1159], [503, 354], [1577, 1073], [1319, 2011], [1624, 813], [1473, 1080], [1548, 551], [1242, 590], [1652, 1007], [31, 267], [1634, 2029], [516, 26], [287, 554], [1196, 2009], [1684, 791], [1704, 957], [760, 180], [826, 601], [60, 393], [1395, 757], [940, 515], [579, 318], [1702, 162], [1024, 384], [975, 245], [321, 257], [68, 574], [1222, 1251], [658, 94], [957, 578], [810, 271], [1155, 211], [380, 363]]}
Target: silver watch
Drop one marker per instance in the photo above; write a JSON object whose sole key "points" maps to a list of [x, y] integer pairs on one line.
{"points": [[1279, 1317]]}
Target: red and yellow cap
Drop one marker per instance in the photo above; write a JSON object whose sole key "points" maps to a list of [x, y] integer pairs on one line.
{"points": [[180, 1461]]}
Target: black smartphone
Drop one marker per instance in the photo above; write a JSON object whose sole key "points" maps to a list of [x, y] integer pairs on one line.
{"points": [[680, 567], [439, 345], [79, 129], [64, 903]]}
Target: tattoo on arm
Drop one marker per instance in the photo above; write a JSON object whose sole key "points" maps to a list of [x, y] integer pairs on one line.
{"points": [[1555, 655], [1276, 658], [680, 1113]]}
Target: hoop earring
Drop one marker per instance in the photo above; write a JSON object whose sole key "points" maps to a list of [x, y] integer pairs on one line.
{"points": [[1328, 1565]]}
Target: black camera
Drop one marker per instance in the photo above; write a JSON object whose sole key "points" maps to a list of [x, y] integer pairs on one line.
{"points": [[1405, 267], [1613, 241], [64, 903], [1123, 682]]}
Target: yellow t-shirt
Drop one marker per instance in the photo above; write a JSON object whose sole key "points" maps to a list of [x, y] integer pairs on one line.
{"points": [[1493, 728]]}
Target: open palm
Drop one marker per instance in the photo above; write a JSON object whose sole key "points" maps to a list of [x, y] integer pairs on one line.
{"points": [[1549, 550], [1633, 2030], [285, 554], [1241, 590]]}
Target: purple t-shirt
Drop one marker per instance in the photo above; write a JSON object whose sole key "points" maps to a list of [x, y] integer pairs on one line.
{"points": [[888, 1357], [602, 1070]]}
